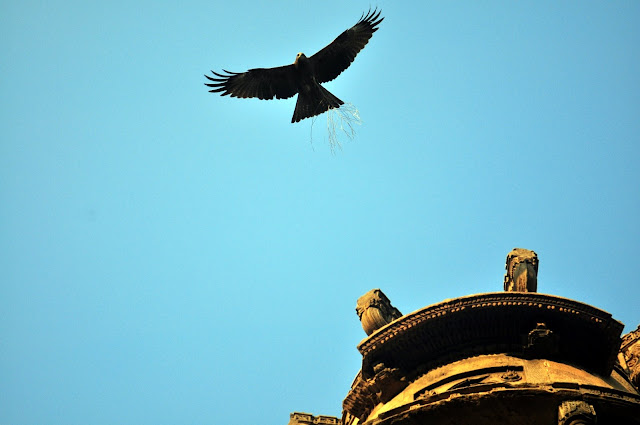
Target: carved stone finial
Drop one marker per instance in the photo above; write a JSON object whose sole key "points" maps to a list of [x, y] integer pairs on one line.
{"points": [[375, 310], [630, 349], [541, 342], [522, 271], [576, 413]]}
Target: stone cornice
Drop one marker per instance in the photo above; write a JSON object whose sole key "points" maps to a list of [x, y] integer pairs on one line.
{"points": [[493, 323]]}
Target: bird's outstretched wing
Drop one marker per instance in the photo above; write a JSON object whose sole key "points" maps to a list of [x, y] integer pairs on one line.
{"points": [[263, 83], [329, 62]]}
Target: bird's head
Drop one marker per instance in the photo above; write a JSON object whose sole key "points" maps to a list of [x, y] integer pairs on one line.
{"points": [[299, 57]]}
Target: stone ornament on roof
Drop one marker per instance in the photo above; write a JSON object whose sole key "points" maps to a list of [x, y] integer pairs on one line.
{"points": [[522, 271], [375, 310]]}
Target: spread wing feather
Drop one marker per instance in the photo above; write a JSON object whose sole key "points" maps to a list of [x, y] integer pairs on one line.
{"points": [[329, 62], [263, 83]]}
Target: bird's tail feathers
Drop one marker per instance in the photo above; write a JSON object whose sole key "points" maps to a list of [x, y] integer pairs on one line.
{"points": [[314, 103]]}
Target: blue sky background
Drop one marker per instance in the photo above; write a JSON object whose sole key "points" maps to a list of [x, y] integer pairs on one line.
{"points": [[170, 256]]}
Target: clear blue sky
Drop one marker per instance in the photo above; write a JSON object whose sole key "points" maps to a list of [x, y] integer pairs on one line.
{"points": [[170, 256]]}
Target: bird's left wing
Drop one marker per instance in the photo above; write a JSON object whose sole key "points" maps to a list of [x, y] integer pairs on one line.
{"points": [[329, 62], [263, 83]]}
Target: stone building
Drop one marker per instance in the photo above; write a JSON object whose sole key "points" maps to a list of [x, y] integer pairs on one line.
{"points": [[512, 357], [298, 418]]}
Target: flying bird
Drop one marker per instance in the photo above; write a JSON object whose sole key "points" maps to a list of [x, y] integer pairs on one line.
{"points": [[304, 75]]}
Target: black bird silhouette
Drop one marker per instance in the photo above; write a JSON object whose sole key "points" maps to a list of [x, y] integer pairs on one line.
{"points": [[304, 76]]}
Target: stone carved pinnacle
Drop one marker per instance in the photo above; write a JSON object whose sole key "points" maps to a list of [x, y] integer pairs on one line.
{"points": [[522, 271], [375, 310]]}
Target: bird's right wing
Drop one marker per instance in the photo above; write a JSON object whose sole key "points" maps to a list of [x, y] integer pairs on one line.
{"points": [[263, 83]]}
